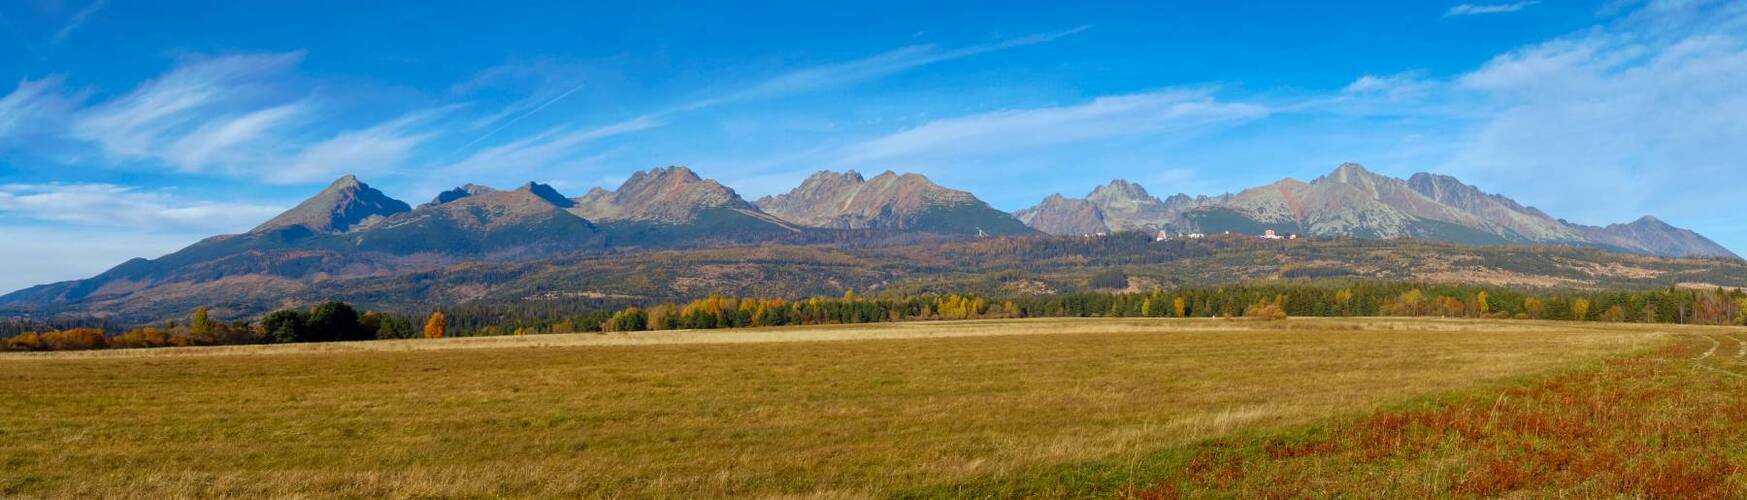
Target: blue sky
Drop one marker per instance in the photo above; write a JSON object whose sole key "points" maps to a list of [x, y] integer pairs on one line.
{"points": [[132, 128]]}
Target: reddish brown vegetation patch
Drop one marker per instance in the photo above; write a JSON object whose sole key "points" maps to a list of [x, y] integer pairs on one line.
{"points": [[1654, 425]]}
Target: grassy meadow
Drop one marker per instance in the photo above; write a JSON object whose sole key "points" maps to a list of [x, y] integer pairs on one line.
{"points": [[1051, 407]]}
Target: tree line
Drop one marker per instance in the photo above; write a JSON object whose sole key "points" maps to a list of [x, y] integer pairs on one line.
{"points": [[338, 321], [325, 322], [1685, 306]]}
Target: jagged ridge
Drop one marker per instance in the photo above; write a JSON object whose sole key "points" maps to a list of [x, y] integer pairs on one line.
{"points": [[1354, 202], [888, 201]]}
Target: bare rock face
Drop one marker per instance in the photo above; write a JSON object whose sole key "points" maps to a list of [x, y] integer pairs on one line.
{"points": [[486, 221], [488, 209], [1500, 214], [463, 191], [1064, 216], [817, 202], [546, 192], [666, 195], [345, 205], [888, 201], [1128, 207]]}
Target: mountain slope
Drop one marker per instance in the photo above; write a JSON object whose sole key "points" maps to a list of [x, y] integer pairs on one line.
{"points": [[1652, 236], [484, 221], [1063, 216], [889, 201], [1505, 214]]}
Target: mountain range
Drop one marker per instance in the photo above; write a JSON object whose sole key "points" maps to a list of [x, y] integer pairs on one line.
{"points": [[1357, 203], [379, 247]]}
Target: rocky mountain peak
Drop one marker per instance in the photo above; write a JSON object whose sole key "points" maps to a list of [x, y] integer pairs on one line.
{"points": [[1650, 221], [546, 192], [1350, 172], [669, 195], [345, 204], [463, 191], [674, 174], [887, 201], [1120, 189], [1127, 206], [829, 181], [1358, 176], [347, 181]]}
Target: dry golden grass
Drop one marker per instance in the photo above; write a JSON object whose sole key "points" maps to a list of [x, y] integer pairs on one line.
{"points": [[874, 410], [1666, 423]]}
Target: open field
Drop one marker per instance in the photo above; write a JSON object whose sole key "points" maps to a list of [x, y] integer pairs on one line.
{"points": [[1670, 423], [988, 408]]}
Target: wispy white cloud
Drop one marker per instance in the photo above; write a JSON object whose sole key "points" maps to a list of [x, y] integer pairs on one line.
{"points": [[1644, 113], [869, 68], [225, 142], [1396, 86], [35, 107], [111, 205], [225, 115], [378, 148], [1469, 9], [552, 147], [140, 124], [79, 19], [1020, 129], [516, 113], [542, 82], [556, 143]]}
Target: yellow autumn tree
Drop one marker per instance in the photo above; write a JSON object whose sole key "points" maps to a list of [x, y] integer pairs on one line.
{"points": [[200, 324], [1614, 314], [437, 326], [1580, 309], [1342, 299]]}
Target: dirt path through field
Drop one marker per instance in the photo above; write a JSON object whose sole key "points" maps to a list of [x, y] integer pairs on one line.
{"points": [[1737, 359]]}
